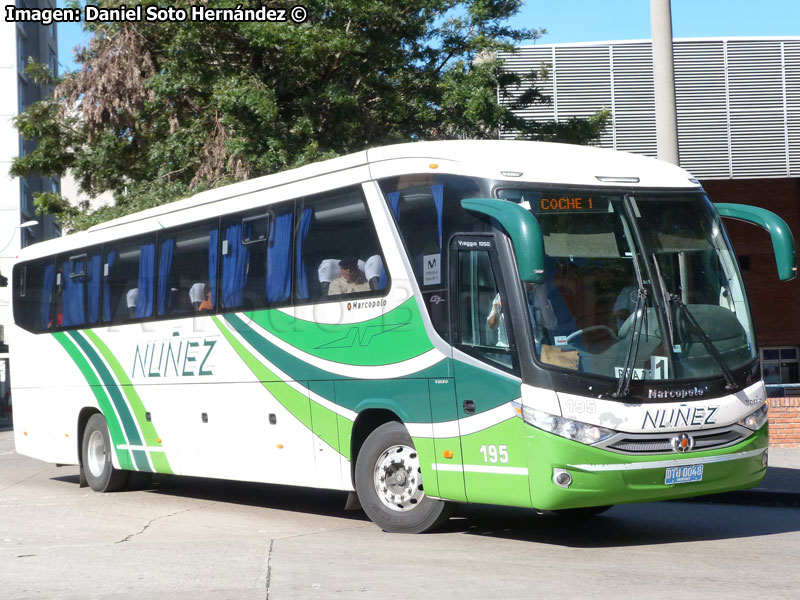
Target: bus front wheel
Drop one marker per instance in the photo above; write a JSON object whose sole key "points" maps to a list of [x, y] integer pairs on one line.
{"points": [[388, 482], [96, 455]]}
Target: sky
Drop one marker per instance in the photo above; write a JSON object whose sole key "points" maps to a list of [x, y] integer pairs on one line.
{"points": [[605, 20]]}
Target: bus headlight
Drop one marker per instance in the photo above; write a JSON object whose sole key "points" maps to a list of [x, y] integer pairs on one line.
{"points": [[756, 419], [566, 428]]}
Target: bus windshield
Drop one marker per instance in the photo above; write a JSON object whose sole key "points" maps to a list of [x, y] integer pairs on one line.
{"points": [[651, 289]]}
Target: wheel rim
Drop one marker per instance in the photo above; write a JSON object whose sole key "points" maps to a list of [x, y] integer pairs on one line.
{"points": [[96, 451], [398, 478]]}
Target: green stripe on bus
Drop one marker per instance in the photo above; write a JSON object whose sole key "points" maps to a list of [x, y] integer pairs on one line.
{"points": [[292, 400], [160, 462], [393, 337], [123, 409], [114, 427], [297, 369]]}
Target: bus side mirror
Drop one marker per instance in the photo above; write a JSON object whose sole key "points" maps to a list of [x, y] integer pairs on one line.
{"points": [[782, 240], [522, 226]]}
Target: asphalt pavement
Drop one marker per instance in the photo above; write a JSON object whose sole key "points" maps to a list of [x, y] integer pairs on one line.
{"points": [[781, 486]]}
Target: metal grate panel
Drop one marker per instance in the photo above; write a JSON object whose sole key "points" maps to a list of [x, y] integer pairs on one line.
{"points": [[738, 100]]}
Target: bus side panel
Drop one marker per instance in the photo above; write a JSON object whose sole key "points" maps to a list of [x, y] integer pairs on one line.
{"points": [[447, 444], [48, 393], [328, 460], [492, 437], [45, 423], [243, 433]]}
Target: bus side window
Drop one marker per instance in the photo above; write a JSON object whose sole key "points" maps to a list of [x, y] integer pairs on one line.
{"points": [[483, 324], [128, 280], [257, 258], [427, 210], [33, 294], [187, 270], [78, 283], [332, 228]]}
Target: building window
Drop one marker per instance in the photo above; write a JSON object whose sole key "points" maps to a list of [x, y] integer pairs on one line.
{"points": [[780, 365], [22, 56], [53, 64], [29, 236], [26, 200], [21, 106]]}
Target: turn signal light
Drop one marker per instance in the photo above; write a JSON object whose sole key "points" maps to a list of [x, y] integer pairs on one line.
{"points": [[448, 454]]}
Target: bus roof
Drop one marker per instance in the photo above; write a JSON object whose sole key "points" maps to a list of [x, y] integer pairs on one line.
{"points": [[512, 160]]}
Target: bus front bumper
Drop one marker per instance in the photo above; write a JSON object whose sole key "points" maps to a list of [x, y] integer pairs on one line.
{"points": [[597, 477]]}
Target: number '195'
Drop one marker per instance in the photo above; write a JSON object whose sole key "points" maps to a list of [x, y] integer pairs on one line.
{"points": [[493, 454]]}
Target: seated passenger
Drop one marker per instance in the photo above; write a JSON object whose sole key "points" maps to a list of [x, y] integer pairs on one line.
{"points": [[375, 273], [200, 295], [351, 280], [132, 297], [328, 271], [497, 321]]}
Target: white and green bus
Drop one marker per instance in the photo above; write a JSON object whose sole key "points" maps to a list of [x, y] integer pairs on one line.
{"points": [[513, 323]]}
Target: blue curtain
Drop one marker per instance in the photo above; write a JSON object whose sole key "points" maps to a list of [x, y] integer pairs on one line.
{"points": [[212, 264], [302, 275], [438, 200], [382, 280], [234, 267], [47, 293], [93, 286], [111, 261], [279, 259], [165, 255], [147, 267], [73, 308], [394, 203]]}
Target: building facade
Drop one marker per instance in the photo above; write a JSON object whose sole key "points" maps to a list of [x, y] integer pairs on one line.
{"points": [[20, 42]]}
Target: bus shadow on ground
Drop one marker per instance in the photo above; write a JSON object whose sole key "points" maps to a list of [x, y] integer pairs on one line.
{"points": [[643, 524], [628, 525], [328, 503]]}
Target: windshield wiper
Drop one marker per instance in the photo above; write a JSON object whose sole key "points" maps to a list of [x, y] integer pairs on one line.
{"points": [[639, 317], [712, 349], [667, 313]]}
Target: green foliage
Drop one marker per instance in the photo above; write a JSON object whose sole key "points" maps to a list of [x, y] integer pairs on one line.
{"points": [[159, 111]]}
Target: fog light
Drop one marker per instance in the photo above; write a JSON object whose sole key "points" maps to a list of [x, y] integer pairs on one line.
{"points": [[562, 478]]}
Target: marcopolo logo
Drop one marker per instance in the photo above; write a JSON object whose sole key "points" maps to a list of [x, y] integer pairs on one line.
{"points": [[366, 304], [694, 392]]}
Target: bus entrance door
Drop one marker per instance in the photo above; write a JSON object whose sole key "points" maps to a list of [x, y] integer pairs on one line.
{"points": [[486, 367], [447, 444]]}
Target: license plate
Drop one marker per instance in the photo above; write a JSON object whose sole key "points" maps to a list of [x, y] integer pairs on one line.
{"points": [[683, 474]]}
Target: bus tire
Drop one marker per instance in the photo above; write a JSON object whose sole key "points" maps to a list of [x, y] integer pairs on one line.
{"points": [[388, 482], [96, 457]]}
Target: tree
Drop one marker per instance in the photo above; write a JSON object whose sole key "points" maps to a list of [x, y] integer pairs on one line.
{"points": [[161, 110]]}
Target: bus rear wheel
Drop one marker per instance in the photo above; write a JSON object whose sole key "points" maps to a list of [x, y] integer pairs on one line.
{"points": [[96, 457], [388, 482]]}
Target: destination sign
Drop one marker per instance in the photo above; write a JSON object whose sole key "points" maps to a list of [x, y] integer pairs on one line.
{"points": [[569, 203]]}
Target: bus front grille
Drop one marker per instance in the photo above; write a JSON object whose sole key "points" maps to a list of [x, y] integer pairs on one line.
{"points": [[628, 443]]}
